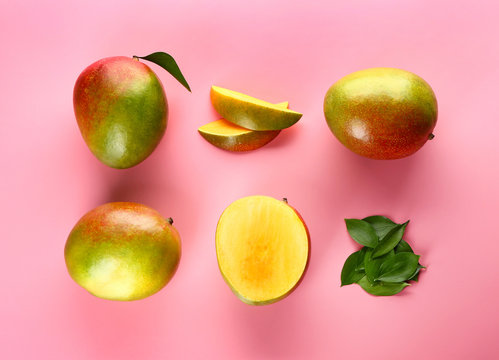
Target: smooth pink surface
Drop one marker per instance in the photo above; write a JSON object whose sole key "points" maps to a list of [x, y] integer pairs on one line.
{"points": [[279, 50]]}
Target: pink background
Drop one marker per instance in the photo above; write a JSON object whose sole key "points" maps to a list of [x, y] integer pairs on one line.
{"points": [[279, 50]]}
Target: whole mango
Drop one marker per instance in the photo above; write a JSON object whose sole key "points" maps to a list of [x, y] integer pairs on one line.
{"points": [[381, 113], [122, 251], [121, 110]]}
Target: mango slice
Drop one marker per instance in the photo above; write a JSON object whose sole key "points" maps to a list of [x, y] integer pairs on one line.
{"points": [[228, 136], [262, 249], [251, 113]]}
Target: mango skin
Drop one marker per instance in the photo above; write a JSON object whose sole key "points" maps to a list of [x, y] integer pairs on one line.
{"points": [[381, 113], [122, 251], [248, 141], [251, 113], [121, 110]]}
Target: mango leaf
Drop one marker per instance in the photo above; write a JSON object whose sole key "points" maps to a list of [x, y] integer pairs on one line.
{"points": [[360, 265], [362, 232], [381, 288], [167, 62], [399, 267], [382, 225], [415, 276], [390, 240], [403, 246], [373, 266], [367, 256], [349, 273]]}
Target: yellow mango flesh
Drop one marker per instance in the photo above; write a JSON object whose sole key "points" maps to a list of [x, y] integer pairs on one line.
{"points": [[223, 127], [228, 136], [251, 113], [262, 249]]}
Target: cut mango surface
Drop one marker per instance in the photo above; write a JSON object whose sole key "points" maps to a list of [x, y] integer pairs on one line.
{"points": [[228, 136], [262, 249], [251, 113], [223, 127]]}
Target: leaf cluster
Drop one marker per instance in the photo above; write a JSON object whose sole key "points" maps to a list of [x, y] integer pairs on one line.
{"points": [[386, 262]]}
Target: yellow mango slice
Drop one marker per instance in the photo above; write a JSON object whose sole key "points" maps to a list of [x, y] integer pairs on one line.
{"points": [[262, 249], [251, 113], [228, 136]]}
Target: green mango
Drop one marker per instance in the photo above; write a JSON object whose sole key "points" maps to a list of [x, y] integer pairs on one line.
{"points": [[121, 109]]}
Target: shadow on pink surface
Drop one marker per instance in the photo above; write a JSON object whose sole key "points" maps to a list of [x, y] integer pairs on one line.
{"points": [[285, 138], [274, 330]]}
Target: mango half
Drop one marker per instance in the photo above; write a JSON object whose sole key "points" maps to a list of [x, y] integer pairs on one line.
{"points": [[228, 136], [263, 248], [251, 113]]}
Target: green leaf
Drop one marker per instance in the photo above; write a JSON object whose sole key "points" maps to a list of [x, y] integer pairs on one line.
{"points": [[367, 256], [415, 276], [382, 225], [349, 273], [381, 288], [372, 269], [399, 267], [362, 232], [390, 240], [403, 246], [360, 265], [167, 62], [373, 266]]}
